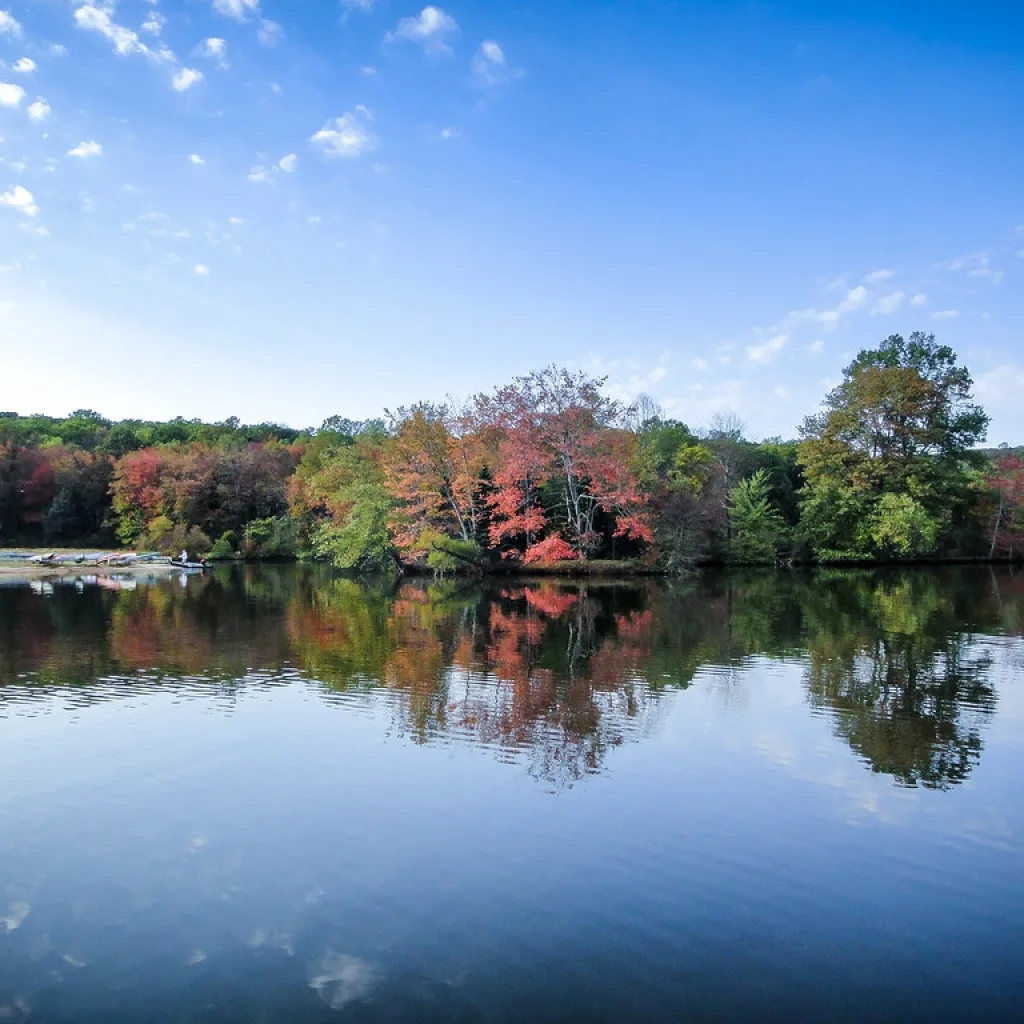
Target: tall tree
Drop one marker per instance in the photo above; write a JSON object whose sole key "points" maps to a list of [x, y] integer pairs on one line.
{"points": [[902, 422]]}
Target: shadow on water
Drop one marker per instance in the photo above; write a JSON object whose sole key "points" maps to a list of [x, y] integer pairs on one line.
{"points": [[550, 672]]}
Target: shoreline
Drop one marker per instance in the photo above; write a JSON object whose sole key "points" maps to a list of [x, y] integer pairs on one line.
{"points": [[13, 572]]}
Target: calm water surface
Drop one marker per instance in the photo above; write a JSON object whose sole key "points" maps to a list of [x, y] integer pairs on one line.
{"points": [[279, 796]]}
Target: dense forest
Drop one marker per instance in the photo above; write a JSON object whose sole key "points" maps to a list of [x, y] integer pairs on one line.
{"points": [[545, 471]]}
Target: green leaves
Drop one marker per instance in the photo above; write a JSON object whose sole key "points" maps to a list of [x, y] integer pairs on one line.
{"points": [[888, 462], [757, 528]]}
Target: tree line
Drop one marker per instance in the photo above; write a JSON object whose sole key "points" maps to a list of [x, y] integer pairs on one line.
{"points": [[544, 471]]}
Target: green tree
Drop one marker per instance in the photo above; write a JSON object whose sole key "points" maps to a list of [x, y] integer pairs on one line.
{"points": [[901, 526], [757, 528], [902, 422]]}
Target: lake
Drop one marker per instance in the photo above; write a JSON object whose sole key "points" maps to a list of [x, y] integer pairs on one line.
{"points": [[271, 794]]}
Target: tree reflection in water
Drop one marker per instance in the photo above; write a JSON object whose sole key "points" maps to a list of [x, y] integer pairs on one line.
{"points": [[553, 673]]}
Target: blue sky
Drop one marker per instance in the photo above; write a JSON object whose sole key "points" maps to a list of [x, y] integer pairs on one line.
{"points": [[282, 211]]}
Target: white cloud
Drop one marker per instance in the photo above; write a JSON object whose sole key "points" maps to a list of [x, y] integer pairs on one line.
{"points": [[195, 158], [919, 299], [767, 351], [86, 149], [235, 220], [37, 111], [9, 25], [237, 9], [24, 65], [368, 72], [346, 136], [945, 314], [20, 199], [430, 29], [10, 95], [314, 218], [975, 264], [888, 304], [258, 174], [877, 276], [185, 79], [358, 5], [201, 270], [288, 163], [490, 66], [215, 48], [97, 19], [855, 299], [154, 23], [450, 133], [58, 49], [816, 347], [270, 33]]}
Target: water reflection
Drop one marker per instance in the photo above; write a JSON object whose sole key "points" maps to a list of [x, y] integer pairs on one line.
{"points": [[547, 672]]}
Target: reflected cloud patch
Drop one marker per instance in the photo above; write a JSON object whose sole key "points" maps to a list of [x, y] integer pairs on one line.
{"points": [[340, 980]]}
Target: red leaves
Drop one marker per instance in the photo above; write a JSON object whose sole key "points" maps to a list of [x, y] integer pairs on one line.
{"points": [[550, 549]]}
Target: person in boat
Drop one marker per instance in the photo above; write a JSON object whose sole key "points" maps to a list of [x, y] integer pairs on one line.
{"points": [[183, 557]]}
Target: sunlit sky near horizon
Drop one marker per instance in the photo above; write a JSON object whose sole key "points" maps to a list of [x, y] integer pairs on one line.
{"points": [[282, 211]]}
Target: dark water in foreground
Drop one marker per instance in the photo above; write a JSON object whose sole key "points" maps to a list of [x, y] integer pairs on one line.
{"points": [[277, 796]]}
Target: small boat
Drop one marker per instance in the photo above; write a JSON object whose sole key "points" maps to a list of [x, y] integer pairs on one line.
{"points": [[179, 564]]}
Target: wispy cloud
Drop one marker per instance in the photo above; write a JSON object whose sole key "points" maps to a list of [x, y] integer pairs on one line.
{"points": [[196, 159], [877, 276], [945, 314], [20, 199], [431, 29], [768, 350], [125, 41], [215, 49], [185, 78], [347, 135], [450, 133], [237, 9], [9, 25], [975, 264], [919, 299], [270, 33], [288, 163], [855, 299], [154, 23], [358, 5], [888, 304], [84, 150], [201, 270], [490, 67]]}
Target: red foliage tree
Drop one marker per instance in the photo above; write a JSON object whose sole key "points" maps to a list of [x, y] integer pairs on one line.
{"points": [[1007, 483]]}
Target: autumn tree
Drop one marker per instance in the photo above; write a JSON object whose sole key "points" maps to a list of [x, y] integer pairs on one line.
{"points": [[556, 428], [434, 465], [1005, 478]]}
